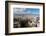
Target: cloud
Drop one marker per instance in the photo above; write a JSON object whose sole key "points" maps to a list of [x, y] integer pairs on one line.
{"points": [[25, 11]]}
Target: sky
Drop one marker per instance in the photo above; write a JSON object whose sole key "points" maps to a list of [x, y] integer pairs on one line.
{"points": [[26, 10]]}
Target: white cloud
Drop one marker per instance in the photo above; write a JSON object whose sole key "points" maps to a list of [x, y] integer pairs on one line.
{"points": [[21, 11]]}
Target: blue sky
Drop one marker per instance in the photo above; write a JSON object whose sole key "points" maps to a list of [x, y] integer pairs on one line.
{"points": [[26, 10]]}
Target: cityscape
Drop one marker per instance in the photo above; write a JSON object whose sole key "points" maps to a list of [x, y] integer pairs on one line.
{"points": [[26, 17]]}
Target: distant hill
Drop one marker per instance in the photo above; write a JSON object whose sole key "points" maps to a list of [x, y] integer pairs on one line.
{"points": [[25, 14]]}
